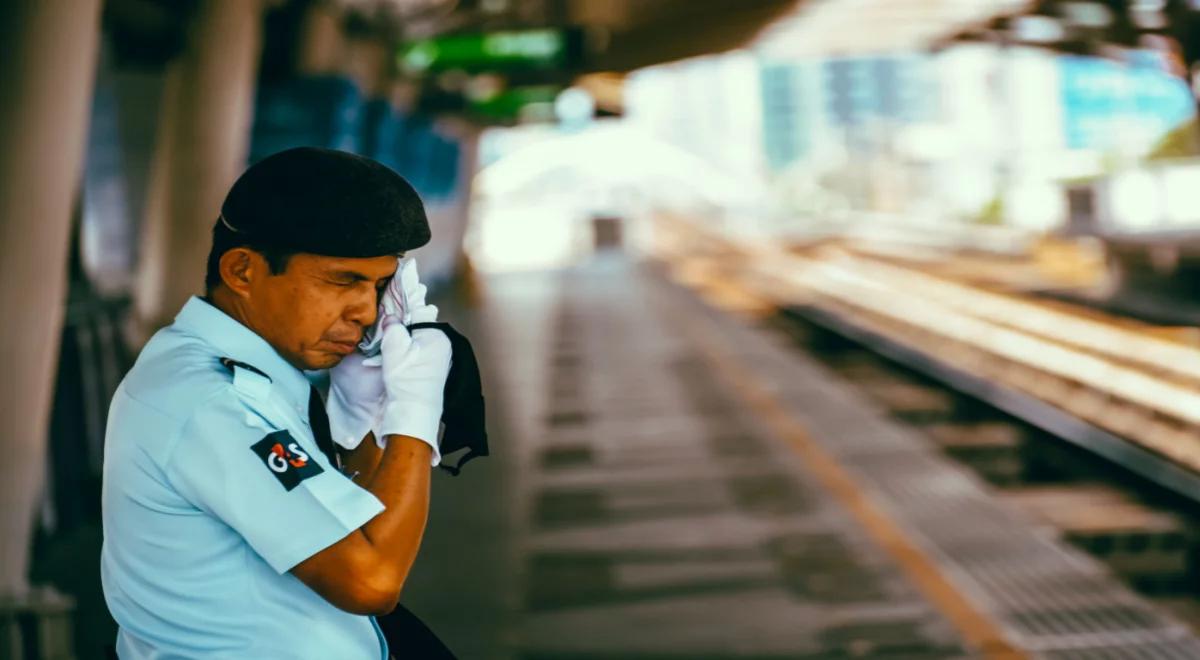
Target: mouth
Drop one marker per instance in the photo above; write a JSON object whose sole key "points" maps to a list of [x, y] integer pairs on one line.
{"points": [[344, 348]]}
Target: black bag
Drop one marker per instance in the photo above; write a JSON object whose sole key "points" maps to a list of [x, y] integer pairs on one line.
{"points": [[462, 401], [409, 637]]}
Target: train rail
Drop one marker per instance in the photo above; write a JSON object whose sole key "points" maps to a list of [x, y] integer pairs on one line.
{"points": [[1129, 396]]}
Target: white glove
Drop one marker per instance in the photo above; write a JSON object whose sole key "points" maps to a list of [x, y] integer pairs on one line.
{"points": [[404, 298], [356, 395], [415, 367], [405, 291], [356, 384]]}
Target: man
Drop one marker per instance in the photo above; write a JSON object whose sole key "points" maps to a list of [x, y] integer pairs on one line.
{"points": [[233, 527]]}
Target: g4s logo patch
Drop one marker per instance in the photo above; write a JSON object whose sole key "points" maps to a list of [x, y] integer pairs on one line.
{"points": [[286, 459]]}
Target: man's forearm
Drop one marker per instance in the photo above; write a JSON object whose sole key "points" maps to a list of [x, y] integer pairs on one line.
{"points": [[401, 482], [360, 463]]}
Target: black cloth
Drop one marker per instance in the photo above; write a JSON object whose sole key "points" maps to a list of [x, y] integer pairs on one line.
{"points": [[463, 412], [318, 419], [327, 202], [409, 637], [406, 635]]}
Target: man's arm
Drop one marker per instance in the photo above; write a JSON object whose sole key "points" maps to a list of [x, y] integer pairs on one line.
{"points": [[365, 571], [361, 462]]}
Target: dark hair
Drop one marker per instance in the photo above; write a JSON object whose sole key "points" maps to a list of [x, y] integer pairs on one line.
{"points": [[225, 240]]}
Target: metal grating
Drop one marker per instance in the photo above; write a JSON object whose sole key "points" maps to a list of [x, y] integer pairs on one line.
{"points": [[823, 568], [773, 494], [562, 508], [567, 456], [582, 579], [1180, 649], [890, 639]]}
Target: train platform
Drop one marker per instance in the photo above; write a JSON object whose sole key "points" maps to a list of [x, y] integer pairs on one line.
{"points": [[671, 480]]}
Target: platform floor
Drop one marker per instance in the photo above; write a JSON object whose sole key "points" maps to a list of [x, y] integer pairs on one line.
{"points": [[672, 481]]}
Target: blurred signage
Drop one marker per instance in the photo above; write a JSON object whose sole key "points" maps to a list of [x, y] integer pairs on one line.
{"points": [[493, 51], [850, 90], [892, 87], [516, 103], [786, 126], [1107, 104]]}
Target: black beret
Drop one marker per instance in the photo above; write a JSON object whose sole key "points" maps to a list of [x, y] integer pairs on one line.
{"points": [[326, 202]]}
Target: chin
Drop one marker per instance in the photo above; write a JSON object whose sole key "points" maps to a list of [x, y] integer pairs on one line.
{"points": [[323, 361]]}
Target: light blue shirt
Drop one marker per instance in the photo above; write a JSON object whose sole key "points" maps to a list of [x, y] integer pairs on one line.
{"points": [[214, 488]]}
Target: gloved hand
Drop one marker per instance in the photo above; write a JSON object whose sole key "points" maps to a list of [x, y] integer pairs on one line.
{"points": [[415, 367], [405, 292], [356, 384], [403, 299], [356, 395]]}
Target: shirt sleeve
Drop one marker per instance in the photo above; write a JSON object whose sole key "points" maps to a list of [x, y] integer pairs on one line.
{"points": [[284, 499]]}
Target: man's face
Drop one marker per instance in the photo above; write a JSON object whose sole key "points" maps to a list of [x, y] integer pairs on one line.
{"points": [[315, 311]]}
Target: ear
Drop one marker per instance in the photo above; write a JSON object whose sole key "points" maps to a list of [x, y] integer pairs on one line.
{"points": [[238, 268]]}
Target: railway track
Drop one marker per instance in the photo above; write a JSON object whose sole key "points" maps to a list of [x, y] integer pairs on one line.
{"points": [[928, 348], [1128, 395]]}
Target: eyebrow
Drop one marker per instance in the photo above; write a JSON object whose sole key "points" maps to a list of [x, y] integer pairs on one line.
{"points": [[346, 275], [355, 276]]}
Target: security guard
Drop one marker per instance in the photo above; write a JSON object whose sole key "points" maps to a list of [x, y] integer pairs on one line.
{"points": [[233, 526]]}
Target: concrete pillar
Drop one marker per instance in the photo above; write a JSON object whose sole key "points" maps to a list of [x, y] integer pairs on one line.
{"points": [[47, 69], [468, 166], [321, 41], [443, 257], [366, 62], [324, 47], [203, 139]]}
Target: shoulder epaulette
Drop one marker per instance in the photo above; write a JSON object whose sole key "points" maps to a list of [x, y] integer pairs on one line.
{"points": [[248, 379]]}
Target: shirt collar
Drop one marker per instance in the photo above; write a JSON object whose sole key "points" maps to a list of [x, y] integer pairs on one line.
{"points": [[236, 341]]}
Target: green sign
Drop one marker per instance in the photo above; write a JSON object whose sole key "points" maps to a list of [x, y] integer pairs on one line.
{"points": [[494, 51], [507, 105]]}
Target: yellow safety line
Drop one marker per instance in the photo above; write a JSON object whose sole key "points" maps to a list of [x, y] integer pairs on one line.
{"points": [[975, 625]]}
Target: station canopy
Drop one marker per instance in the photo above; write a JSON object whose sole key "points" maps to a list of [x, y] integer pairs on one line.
{"points": [[854, 27], [621, 35], [610, 35], [570, 42]]}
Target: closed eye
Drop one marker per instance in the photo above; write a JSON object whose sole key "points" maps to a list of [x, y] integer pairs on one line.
{"points": [[345, 279], [349, 278]]}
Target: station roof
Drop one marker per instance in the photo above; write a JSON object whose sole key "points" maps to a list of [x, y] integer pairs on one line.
{"points": [[1095, 27], [620, 35], [853, 27]]}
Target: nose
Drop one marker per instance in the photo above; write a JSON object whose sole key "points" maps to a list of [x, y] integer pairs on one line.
{"points": [[364, 309]]}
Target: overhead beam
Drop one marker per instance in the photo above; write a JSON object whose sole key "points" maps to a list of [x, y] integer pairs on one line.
{"points": [[709, 28]]}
